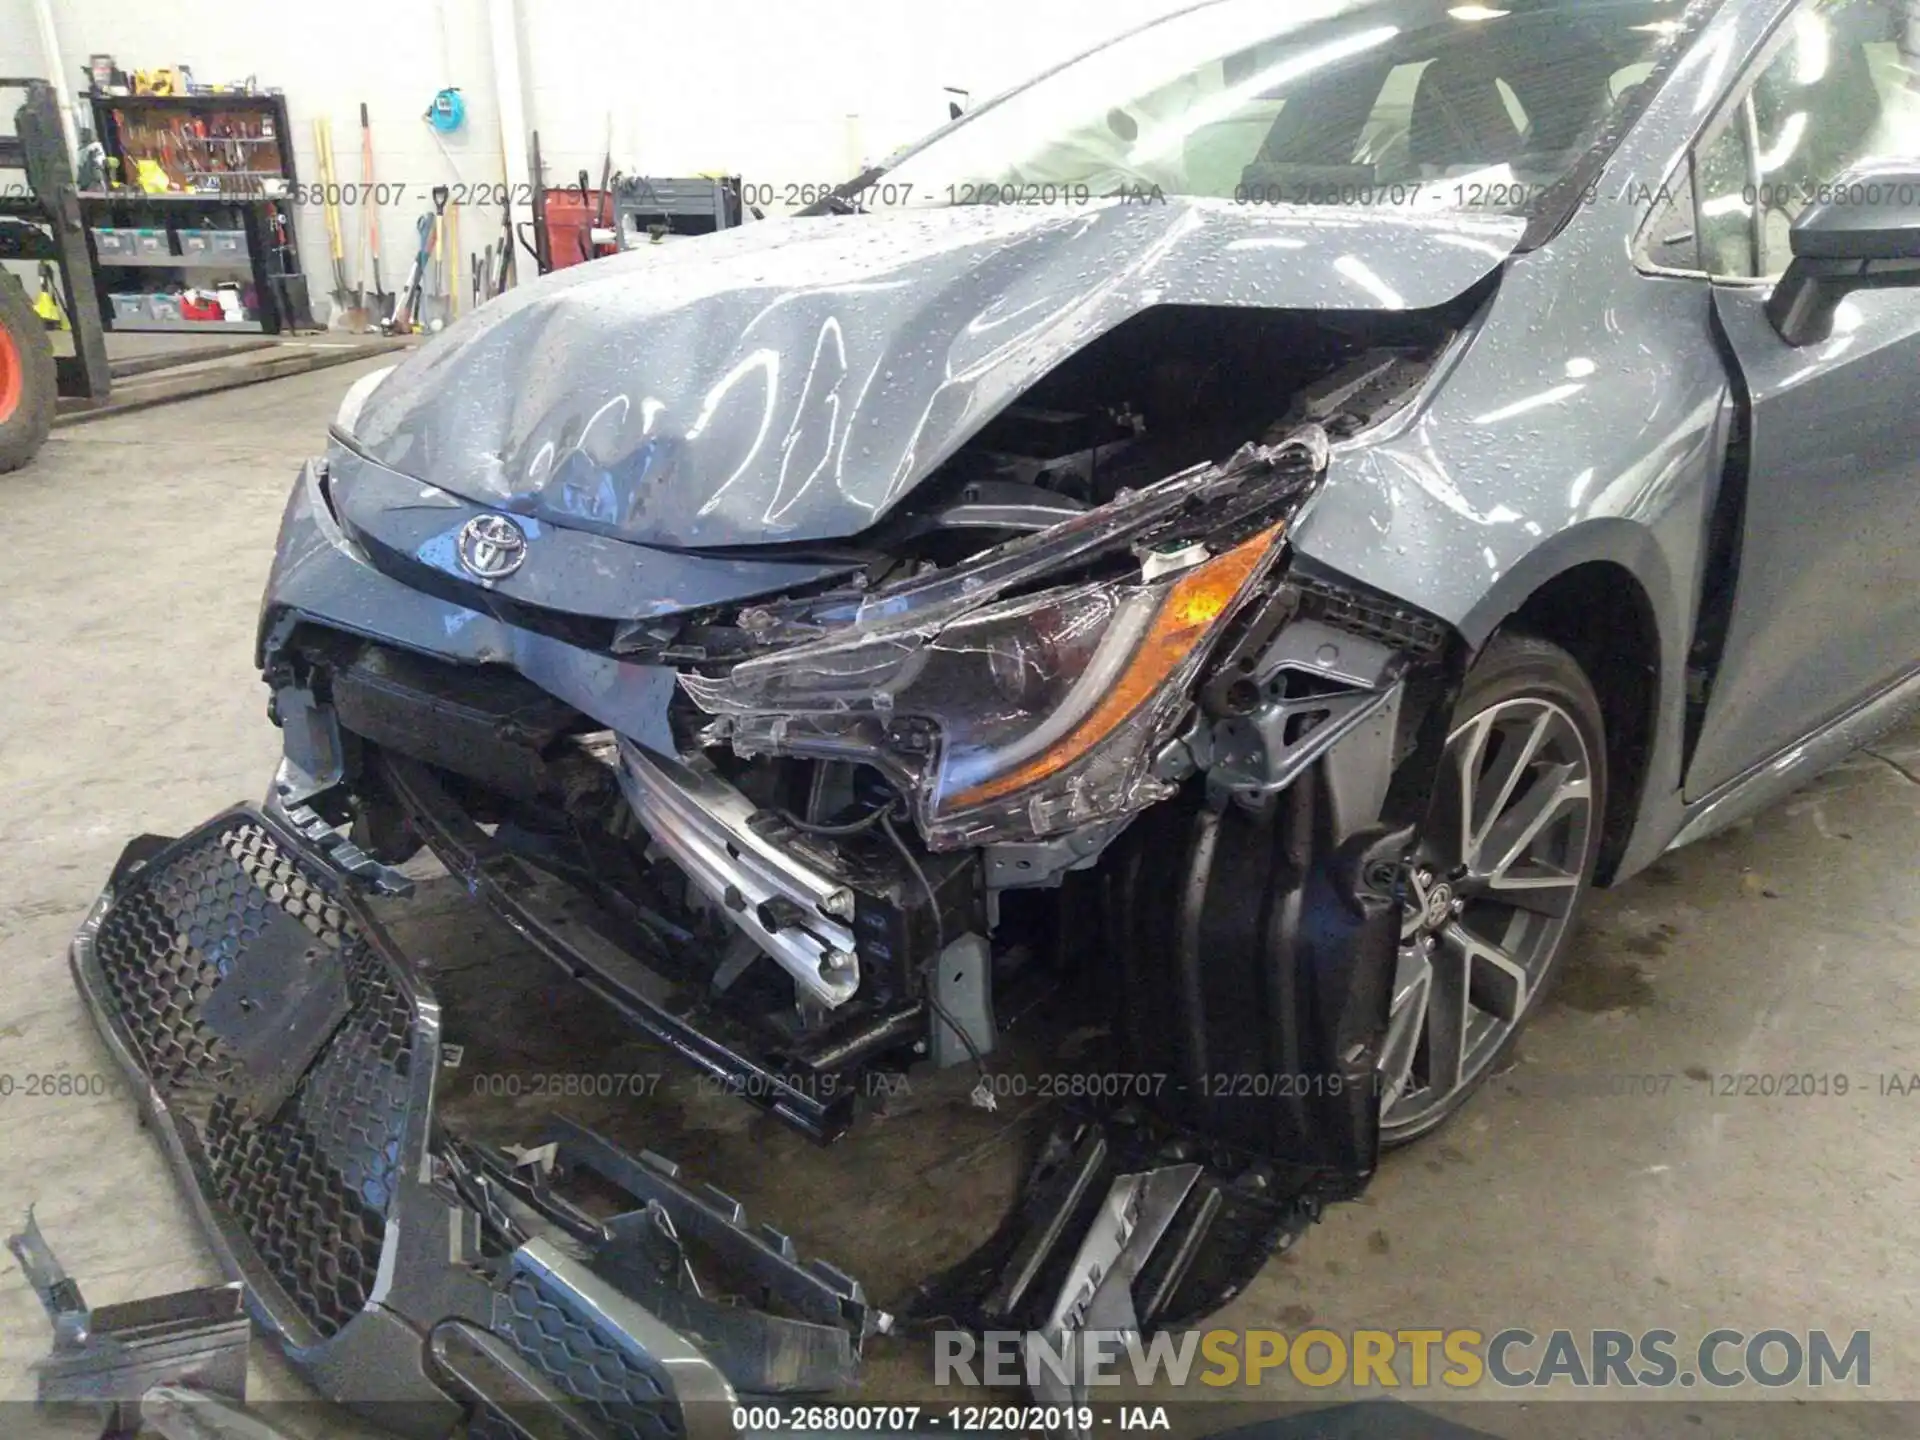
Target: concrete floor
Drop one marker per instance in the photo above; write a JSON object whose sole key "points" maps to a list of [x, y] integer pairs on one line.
{"points": [[138, 546]]}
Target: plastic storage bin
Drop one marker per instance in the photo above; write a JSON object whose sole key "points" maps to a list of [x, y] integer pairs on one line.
{"points": [[150, 242], [196, 243], [229, 244], [164, 307], [130, 307], [111, 244]]}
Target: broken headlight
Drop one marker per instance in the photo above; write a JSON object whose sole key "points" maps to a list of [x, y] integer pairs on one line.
{"points": [[1022, 717]]}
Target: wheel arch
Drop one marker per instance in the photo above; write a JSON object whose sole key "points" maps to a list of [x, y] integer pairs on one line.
{"points": [[1600, 609]]}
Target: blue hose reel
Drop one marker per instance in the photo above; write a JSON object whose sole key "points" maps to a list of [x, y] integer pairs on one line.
{"points": [[447, 112]]}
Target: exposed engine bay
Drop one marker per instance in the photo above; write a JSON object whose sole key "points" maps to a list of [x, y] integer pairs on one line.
{"points": [[1069, 740], [893, 816]]}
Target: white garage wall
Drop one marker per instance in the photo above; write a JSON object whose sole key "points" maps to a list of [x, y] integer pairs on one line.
{"points": [[20, 56], [327, 59], [19, 42], [787, 93], [780, 91]]}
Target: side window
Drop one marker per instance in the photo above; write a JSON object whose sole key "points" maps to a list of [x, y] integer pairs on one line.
{"points": [[1701, 220], [1817, 110], [1670, 240], [1723, 188], [1834, 92]]}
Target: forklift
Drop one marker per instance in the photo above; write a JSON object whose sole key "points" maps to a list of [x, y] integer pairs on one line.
{"points": [[40, 223]]}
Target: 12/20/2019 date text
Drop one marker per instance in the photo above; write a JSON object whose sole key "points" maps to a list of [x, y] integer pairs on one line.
{"points": [[900, 1419]]}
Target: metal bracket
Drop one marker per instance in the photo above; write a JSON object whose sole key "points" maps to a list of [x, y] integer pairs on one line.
{"points": [[313, 760], [787, 907], [117, 1353], [1312, 686], [963, 982], [1020, 865], [340, 853]]}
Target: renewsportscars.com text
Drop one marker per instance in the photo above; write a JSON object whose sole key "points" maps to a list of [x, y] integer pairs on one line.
{"points": [[1513, 1358]]}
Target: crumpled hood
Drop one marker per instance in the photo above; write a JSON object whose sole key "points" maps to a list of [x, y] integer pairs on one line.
{"points": [[792, 380]]}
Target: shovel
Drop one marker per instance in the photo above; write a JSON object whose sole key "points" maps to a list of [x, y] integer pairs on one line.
{"points": [[382, 298], [344, 299]]}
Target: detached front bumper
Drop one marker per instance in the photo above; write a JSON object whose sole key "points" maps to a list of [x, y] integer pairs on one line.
{"points": [[286, 1055]]}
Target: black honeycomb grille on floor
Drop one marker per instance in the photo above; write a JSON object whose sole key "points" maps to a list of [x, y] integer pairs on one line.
{"points": [[309, 1186], [610, 1384]]}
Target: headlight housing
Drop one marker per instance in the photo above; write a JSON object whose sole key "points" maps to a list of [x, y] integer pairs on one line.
{"points": [[1027, 692], [1032, 715]]}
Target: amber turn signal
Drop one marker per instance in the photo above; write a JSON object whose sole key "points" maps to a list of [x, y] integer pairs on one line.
{"points": [[1193, 606]]}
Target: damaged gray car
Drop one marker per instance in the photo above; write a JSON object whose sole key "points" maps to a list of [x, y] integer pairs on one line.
{"points": [[1240, 533]]}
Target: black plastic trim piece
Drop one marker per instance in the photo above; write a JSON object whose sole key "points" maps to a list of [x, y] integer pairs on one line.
{"points": [[451, 1287], [374, 1356]]}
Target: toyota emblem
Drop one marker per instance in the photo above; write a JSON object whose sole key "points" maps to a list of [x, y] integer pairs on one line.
{"points": [[492, 546]]}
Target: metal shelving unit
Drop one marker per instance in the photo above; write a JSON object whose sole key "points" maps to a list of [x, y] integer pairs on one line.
{"points": [[197, 139], [173, 262], [232, 327]]}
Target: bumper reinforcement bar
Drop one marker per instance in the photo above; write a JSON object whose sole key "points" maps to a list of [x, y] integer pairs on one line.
{"points": [[553, 916], [803, 919]]}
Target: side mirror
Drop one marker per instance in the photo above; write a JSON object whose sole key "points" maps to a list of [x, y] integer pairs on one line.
{"points": [[1863, 233]]}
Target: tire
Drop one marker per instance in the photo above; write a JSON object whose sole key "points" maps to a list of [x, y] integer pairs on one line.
{"points": [[1523, 697], [27, 382]]}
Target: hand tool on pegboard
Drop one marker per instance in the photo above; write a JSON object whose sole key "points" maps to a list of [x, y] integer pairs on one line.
{"points": [[344, 299], [586, 218], [506, 244], [407, 311], [542, 253], [382, 301], [606, 194], [455, 299], [440, 196]]}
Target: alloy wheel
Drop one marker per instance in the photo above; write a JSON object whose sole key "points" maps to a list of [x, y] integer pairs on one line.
{"points": [[1488, 900]]}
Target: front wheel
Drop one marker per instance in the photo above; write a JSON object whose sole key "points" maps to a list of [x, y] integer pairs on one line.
{"points": [[1504, 858]]}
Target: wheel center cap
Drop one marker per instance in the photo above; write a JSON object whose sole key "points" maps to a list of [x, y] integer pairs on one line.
{"points": [[1439, 907]]}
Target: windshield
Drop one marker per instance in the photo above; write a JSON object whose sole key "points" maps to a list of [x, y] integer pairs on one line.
{"points": [[1333, 102]]}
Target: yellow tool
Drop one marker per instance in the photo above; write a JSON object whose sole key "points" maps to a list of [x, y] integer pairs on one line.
{"points": [[48, 308], [165, 81], [352, 316], [453, 262]]}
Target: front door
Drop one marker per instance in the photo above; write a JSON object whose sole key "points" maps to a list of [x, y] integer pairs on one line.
{"points": [[1826, 608]]}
